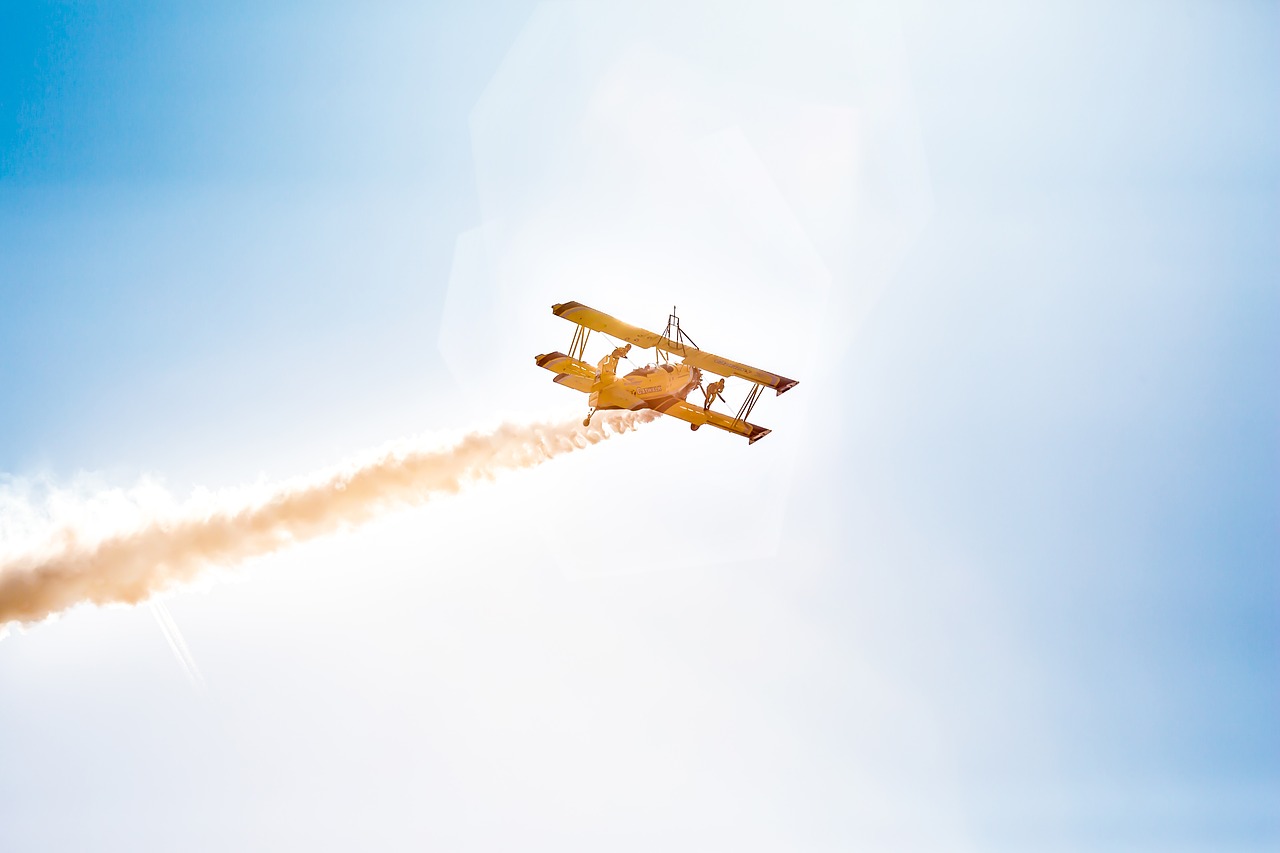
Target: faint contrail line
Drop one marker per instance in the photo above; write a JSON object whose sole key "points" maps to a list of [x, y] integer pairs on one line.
{"points": [[179, 646], [130, 565]]}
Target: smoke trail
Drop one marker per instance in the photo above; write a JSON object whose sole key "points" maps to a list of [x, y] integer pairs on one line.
{"points": [[177, 644], [130, 565]]}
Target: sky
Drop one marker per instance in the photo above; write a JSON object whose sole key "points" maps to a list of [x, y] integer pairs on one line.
{"points": [[1004, 577]]}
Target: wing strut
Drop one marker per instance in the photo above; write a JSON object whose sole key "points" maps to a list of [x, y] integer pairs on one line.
{"points": [[744, 411], [578, 346]]}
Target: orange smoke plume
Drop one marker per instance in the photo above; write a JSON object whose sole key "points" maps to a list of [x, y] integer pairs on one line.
{"points": [[130, 565]]}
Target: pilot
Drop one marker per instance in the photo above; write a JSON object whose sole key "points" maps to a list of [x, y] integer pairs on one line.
{"points": [[713, 391]]}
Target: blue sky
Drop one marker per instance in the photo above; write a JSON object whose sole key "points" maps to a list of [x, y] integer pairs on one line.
{"points": [[1003, 578]]}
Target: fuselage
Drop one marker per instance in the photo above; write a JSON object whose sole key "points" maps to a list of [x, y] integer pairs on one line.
{"points": [[650, 383]]}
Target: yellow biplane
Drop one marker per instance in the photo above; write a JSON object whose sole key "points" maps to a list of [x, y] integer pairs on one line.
{"points": [[661, 386]]}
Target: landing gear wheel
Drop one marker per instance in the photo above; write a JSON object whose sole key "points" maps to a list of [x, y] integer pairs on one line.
{"points": [[694, 427], [586, 421]]}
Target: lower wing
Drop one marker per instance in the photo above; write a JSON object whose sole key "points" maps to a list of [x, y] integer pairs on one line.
{"points": [[580, 376], [677, 408]]}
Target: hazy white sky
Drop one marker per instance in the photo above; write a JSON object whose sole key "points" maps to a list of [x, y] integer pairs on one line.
{"points": [[1003, 578]]}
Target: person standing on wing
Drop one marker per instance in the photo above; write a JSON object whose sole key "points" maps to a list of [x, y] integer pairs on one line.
{"points": [[713, 391]]}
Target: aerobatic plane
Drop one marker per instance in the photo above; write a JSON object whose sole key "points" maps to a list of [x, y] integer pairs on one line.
{"points": [[662, 385]]}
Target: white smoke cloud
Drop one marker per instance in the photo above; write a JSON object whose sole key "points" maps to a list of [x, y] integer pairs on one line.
{"points": [[122, 548]]}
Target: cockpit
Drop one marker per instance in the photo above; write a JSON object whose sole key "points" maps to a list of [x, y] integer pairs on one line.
{"points": [[650, 369]]}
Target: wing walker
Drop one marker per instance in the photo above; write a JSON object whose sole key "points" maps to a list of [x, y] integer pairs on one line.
{"points": [[663, 385]]}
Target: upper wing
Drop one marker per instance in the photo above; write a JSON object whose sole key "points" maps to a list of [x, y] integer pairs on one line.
{"points": [[598, 321], [725, 367]]}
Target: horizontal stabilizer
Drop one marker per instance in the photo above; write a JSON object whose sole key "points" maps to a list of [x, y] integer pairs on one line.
{"points": [[558, 362], [574, 374]]}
